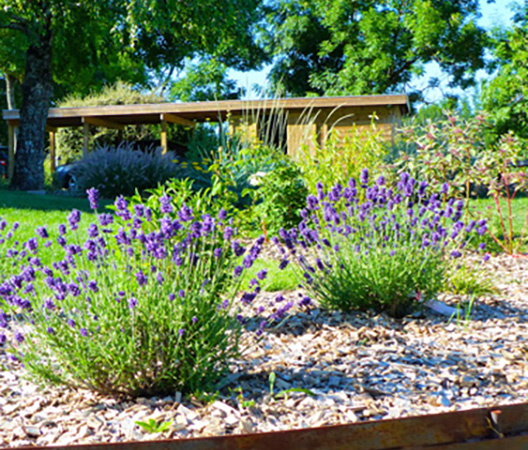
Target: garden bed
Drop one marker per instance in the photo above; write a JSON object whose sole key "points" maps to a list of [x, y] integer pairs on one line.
{"points": [[351, 367]]}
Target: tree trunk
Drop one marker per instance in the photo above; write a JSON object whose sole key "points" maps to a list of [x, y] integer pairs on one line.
{"points": [[10, 91], [37, 90]]}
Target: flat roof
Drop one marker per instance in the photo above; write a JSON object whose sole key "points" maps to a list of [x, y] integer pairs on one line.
{"points": [[200, 111]]}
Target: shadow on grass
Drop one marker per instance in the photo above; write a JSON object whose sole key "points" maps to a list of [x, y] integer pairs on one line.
{"points": [[44, 202]]}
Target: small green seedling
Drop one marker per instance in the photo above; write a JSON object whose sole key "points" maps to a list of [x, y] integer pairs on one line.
{"points": [[272, 377], [153, 426], [286, 392]]}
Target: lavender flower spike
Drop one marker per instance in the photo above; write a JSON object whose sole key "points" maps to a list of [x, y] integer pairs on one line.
{"points": [[93, 197]]}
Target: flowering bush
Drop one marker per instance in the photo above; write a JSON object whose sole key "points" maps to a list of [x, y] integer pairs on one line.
{"points": [[123, 170], [444, 151], [385, 253], [130, 311]]}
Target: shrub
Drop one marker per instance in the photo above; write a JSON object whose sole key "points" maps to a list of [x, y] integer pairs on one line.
{"points": [[342, 157], [281, 195], [385, 253], [123, 169], [70, 140], [444, 151], [130, 311]]}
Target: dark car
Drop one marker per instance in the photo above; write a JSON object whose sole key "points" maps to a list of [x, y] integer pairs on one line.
{"points": [[67, 176]]}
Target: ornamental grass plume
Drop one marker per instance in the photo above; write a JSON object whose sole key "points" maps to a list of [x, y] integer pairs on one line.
{"points": [[130, 311], [387, 252]]}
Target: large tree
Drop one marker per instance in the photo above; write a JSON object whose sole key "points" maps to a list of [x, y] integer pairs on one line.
{"points": [[505, 96], [370, 46], [90, 41]]}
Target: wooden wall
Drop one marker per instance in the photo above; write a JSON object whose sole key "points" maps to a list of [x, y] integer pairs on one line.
{"points": [[311, 127]]}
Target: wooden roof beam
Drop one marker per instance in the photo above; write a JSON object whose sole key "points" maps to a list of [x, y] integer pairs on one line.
{"points": [[98, 122], [173, 118]]}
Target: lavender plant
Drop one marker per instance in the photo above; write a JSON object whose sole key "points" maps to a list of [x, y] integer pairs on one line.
{"points": [[387, 252], [131, 312]]}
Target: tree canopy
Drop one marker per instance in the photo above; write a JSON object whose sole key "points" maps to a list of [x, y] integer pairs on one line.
{"points": [[505, 96], [371, 46], [83, 43]]}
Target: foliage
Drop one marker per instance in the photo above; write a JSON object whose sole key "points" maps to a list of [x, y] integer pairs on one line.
{"points": [[69, 141], [365, 47], [444, 151], [129, 311], [342, 156], [385, 253], [122, 170], [463, 157], [132, 38], [205, 80], [462, 279], [282, 193], [182, 192], [505, 97], [153, 426], [504, 177]]}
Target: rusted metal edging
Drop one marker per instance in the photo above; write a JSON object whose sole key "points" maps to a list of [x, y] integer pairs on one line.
{"points": [[497, 428]]}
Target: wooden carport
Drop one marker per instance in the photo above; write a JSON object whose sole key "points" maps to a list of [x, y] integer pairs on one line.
{"points": [[188, 114]]}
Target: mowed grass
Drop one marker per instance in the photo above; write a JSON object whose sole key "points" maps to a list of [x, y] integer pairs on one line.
{"points": [[487, 208], [34, 210]]}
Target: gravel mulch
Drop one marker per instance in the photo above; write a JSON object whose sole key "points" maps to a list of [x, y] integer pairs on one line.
{"points": [[347, 367]]}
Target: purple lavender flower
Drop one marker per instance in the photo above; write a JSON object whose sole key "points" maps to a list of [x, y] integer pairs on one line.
{"points": [[74, 218], [141, 278], [106, 219], [165, 204], [181, 293], [238, 271], [185, 213], [84, 331], [261, 275], [71, 323], [93, 197], [486, 257], [172, 297], [217, 252], [132, 302], [222, 215], [181, 331], [444, 189], [283, 264], [312, 202], [32, 245], [42, 232], [364, 177], [93, 231], [19, 337]]}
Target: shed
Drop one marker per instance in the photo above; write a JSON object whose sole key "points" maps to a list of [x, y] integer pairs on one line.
{"points": [[294, 121]]}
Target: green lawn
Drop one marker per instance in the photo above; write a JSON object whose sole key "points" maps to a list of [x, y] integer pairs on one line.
{"points": [[34, 210], [486, 208]]}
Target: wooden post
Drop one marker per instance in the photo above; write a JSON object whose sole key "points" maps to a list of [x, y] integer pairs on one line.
{"points": [[11, 150], [52, 151], [164, 145], [86, 139]]}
